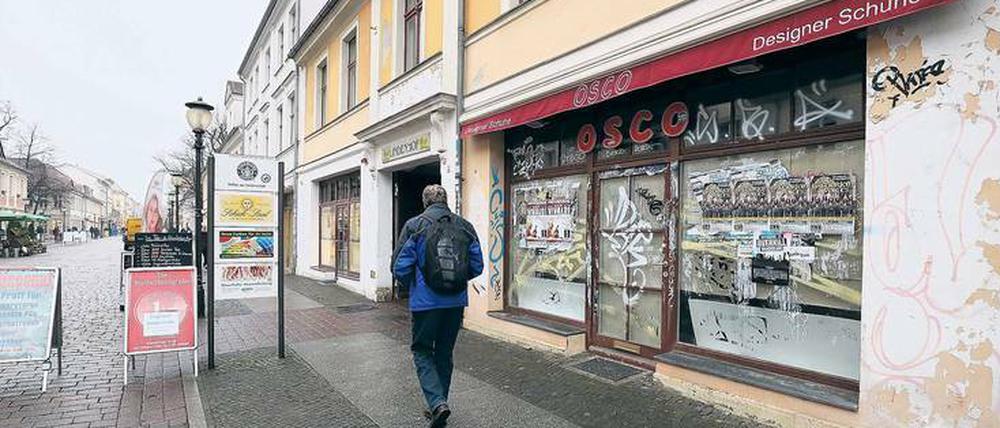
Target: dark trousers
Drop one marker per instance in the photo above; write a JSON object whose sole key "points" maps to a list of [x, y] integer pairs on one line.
{"points": [[434, 334]]}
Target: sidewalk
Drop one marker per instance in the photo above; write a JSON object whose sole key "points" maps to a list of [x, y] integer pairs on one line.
{"points": [[348, 365]]}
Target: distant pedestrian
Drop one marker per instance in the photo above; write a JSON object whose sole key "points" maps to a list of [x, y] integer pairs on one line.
{"points": [[438, 254]]}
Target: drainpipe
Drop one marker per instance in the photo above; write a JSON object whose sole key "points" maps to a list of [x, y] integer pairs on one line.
{"points": [[459, 104]]}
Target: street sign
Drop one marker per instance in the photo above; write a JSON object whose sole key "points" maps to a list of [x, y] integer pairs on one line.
{"points": [[27, 313], [246, 173], [163, 250], [160, 310], [245, 230]]}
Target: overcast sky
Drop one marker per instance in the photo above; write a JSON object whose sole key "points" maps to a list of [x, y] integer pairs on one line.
{"points": [[107, 80]]}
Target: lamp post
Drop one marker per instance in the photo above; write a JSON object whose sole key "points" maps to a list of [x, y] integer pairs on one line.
{"points": [[199, 117], [177, 180]]}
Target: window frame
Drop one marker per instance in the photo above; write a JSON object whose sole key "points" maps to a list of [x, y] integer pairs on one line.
{"points": [[332, 195], [322, 72], [411, 12], [348, 94]]}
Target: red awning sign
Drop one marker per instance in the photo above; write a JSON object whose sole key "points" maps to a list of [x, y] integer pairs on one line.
{"points": [[827, 20]]}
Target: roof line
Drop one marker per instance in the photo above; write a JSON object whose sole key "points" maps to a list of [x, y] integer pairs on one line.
{"points": [[256, 35], [312, 28]]}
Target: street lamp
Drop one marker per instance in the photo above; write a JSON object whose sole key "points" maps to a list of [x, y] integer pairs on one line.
{"points": [[199, 117], [177, 180]]}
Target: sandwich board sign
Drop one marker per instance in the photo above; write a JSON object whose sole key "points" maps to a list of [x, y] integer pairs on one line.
{"points": [[160, 311], [30, 316]]}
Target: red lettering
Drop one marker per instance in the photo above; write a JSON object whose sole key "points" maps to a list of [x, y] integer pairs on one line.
{"points": [[637, 135], [595, 92], [586, 138], [614, 138], [675, 119], [607, 89]]}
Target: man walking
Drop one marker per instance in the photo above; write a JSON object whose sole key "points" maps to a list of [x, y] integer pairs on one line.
{"points": [[438, 254]]}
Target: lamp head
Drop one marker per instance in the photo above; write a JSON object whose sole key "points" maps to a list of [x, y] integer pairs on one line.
{"points": [[199, 115]]}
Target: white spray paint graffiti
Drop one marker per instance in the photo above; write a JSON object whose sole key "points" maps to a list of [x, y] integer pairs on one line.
{"points": [[753, 119], [706, 127], [527, 159], [628, 246], [813, 111]]}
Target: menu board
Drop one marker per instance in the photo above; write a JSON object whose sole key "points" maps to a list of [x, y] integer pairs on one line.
{"points": [[163, 250], [27, 313]]}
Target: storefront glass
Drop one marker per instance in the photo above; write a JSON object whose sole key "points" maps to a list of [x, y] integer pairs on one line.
{"points": [[340, 224], [771, 256], [549, 262], [630, 293]]}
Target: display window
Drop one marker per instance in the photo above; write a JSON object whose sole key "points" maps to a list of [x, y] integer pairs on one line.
{"points": [[549, 265], [719, 215], [771, 256], [340, 225]]}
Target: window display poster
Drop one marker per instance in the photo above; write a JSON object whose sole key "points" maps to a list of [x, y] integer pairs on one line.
{"points": [[27, 313], [246, 209], [548, 231], [245, 280], [245, 244], [160, 310]]}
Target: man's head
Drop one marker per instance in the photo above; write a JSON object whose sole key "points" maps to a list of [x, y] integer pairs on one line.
{"points": [[433, 194]]}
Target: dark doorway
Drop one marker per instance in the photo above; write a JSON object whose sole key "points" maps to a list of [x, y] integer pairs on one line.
{"points": [[408, 187]]}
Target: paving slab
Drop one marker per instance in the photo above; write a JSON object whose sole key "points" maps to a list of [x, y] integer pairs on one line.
{"points": [[376, 373]]}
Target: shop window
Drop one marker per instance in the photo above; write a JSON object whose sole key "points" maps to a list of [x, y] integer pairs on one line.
{"points": [[829, 92], [340, 224], [763, 109], [533, 151], [631, 248], [548, 267], [771, 256]]}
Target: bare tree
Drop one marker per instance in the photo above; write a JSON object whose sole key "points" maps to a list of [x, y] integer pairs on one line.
{"points": [[180, 161], [33, 144], [8, 117]]}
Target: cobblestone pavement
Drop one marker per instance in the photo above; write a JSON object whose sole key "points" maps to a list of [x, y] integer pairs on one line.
{"points": [[90, 391], [348, 364]]}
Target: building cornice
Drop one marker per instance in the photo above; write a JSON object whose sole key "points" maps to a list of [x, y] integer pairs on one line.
{"points": [[436, 102]]}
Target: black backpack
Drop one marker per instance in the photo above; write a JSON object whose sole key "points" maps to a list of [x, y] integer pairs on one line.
{"points": [[446, 255]]}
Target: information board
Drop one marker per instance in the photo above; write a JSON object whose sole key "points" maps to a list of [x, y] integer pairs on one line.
{"points": [[245, 280], [163, 250], [28, 302], [160, 310]]}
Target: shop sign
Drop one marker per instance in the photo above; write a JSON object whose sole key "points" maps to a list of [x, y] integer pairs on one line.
{"points": [[245, 280], [132, 226], [673, 121], [244, 173], [237, 245], [163, 250], [27, 313], [816, 23], [246, 209], [405, 149], [160, 310]]}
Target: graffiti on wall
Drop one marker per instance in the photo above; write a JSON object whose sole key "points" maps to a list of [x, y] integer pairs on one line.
{"points": [[527, 158], [905, 75], [814, 110], [931, 274], [497, 243]]}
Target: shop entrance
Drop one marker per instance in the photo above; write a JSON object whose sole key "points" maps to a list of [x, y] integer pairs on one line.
{"points": [[408, 186]]}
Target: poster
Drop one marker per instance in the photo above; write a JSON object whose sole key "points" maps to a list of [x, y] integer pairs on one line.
{"points": [[246, 173], [154, 211], [553, 231], [546, 217], [163, 250], [160, 310], [27, 313], [246, 209], [245, 280], [245, 244]]}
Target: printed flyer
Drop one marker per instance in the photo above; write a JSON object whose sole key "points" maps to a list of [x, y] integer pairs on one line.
{"points": [[160, 310], [245, 244], [27, 313], [245, 280]]}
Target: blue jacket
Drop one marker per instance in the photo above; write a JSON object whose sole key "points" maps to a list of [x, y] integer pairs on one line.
{"points": [[409, 256]]}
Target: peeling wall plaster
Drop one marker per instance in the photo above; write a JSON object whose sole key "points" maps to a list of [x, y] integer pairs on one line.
{"points": [[931, 317]]}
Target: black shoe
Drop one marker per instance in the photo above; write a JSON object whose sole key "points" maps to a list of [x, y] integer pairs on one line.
{"points": [[439, 417], [427, 414]]}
